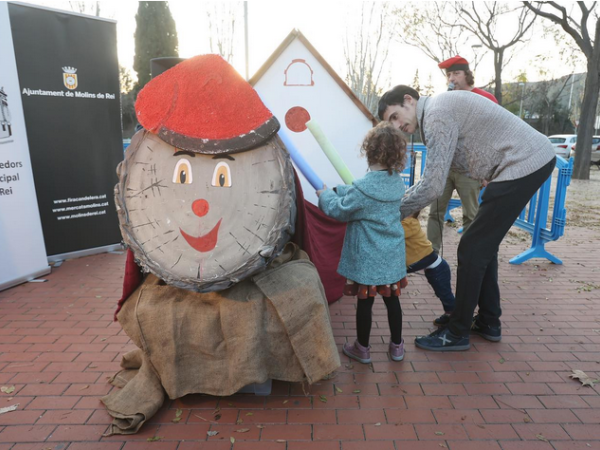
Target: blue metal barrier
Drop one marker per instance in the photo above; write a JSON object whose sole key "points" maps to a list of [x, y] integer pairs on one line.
{"points": [[534, 217]]}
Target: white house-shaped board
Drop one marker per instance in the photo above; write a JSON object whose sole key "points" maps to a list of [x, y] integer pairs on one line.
{"points": [[296, 84]]}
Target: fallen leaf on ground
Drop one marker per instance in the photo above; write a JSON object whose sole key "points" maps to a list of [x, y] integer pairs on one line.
{"points": [[338, 390], [439, 433], [178, 414], [378, 424], [356, 391], [526, 420], [84, 387], [541, 437], [200, 417], [154, 439], [501, 360], [323, 398], [7, 389], [281, 441], [232, 440], [249, 414], [9, 409], [242, 430], [584, 378], [212, 433], [239, 422]]}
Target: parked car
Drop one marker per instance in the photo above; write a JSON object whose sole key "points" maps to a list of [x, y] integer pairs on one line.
{"points": [[563, 144], [595, 155]]}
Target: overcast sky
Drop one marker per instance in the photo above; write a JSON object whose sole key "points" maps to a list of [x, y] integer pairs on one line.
{"points": [[325, 24]]}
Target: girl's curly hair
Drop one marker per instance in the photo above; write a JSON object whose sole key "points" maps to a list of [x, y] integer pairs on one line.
{"points": [[385, 145]]}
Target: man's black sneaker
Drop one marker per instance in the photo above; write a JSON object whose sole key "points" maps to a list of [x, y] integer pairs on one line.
{"points": [[493, 334], [442, 321], [443, 340]]}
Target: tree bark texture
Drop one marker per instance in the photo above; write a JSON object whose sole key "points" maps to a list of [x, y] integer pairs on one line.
{"points": [[587, 120], [498, 61]]}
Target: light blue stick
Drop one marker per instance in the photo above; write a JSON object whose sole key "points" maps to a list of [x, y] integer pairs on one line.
{"points": [[300, 162]]}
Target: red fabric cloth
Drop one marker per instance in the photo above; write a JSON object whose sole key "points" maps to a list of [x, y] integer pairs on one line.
{"points": [[131, 280], [320, 236], [485, 94]]}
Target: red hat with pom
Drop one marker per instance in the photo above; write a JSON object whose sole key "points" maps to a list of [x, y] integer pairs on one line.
{"points": [[454, 63], [203, 105]]}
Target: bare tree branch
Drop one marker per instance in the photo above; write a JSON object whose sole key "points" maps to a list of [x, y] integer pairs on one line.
{"points": [[366, 51], [577, 28], [563, 22], [222, 19]]}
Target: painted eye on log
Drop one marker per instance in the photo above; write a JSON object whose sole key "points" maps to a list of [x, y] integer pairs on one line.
{"points": [[222, 175], [183, 172]]}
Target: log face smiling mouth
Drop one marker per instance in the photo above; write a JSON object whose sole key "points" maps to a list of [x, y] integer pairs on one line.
{"points": [[207, 242], [204, 243]]}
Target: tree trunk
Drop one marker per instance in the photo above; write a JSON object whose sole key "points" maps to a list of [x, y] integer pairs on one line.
{"points": [[581, 167], [498, 58]]}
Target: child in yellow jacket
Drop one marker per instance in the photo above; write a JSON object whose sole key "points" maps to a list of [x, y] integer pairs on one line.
{"points": [[420, 255]]}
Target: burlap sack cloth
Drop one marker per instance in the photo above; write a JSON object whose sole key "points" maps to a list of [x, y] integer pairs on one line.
{"points": [[275, 325]]}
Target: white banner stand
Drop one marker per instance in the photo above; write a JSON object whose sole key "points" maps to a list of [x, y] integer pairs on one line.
{"points": [[22, 250]]}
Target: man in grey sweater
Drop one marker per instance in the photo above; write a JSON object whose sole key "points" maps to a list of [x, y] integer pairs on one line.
{"points": [[466, 133]]}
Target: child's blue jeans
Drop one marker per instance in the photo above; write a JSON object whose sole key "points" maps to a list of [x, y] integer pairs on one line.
{"points": [[439, 279]]}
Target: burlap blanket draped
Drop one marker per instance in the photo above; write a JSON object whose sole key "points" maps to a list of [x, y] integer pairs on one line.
{"points": [[273, 326]]}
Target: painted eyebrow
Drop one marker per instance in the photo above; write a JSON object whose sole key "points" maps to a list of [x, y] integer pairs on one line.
{"points": [[230, 158], [183, 152]]}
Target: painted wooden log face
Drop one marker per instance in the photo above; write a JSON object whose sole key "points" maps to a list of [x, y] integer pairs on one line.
{"points": [[200, 221]]}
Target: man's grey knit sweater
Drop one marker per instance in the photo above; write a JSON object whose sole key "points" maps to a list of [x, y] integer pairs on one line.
{"points": [[468, 133]]}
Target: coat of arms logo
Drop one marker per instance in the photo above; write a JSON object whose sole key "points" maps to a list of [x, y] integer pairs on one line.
{"points": [[70, 77], [5, 125]]}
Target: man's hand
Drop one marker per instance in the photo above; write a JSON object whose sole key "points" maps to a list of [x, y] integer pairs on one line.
{"points": [[320, 191]]}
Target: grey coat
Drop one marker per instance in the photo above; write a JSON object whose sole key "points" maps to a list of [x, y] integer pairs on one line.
{"points": [[464, 132]]}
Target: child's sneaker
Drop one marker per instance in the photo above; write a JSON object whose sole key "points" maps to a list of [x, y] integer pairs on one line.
{"points": [[397, 351], [358, 352], [442, 321]]}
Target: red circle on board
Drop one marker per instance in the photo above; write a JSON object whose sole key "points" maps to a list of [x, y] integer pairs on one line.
{"points": [[200, 207], [296, 118]]}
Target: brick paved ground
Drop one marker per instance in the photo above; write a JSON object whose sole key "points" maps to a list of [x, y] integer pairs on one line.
{"points": [[58, 345]]}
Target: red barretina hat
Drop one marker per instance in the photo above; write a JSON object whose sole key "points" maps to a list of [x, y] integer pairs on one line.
{"points": [[454, 63], [203, 105]]}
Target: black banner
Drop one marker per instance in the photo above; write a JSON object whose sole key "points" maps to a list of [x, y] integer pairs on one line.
{"points": [[69, 78]]}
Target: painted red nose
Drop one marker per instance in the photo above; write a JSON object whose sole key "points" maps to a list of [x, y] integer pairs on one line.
{"points": [[200, 207]]}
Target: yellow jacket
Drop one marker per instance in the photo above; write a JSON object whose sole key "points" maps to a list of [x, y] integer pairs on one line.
{"points": [[417, 244]]}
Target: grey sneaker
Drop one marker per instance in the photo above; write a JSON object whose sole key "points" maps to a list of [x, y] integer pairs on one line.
{"points": [[358, 352], [397, 351]]}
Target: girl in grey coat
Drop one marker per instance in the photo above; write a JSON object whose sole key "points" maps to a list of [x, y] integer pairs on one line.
{"points": [[373, 256]]}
